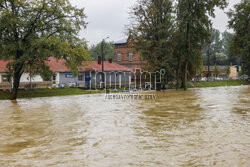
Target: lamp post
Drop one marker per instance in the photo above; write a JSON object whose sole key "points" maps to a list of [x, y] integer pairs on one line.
{"points": [[102, 51], [208, 61]]}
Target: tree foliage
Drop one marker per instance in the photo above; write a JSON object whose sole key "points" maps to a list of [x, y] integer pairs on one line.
{"points": [[194, 26], [109, 52], [227, 39], [216, 70], [228, 71], [151, 32], [34, 30], [239, 22], [219, 49], [221, 59], [215, 45], [172, 39]]}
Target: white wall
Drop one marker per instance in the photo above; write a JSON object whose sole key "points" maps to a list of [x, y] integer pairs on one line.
{"points": [[25, 78], [57, 78]]}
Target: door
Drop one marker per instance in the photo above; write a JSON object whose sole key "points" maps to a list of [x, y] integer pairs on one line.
{"points": [[87, 79]]}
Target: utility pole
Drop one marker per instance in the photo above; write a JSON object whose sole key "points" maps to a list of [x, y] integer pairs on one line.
{"points": [[30, 78], [208, 62], [102, 52]]}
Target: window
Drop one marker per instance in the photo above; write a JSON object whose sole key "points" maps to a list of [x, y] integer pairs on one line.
{"points": [[5, 78], [80, 77], [119, 57], [130, 56], [54, 79], [70, 76]]}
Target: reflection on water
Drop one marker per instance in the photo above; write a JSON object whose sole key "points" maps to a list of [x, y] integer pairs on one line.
{"points": [[198, 127]]}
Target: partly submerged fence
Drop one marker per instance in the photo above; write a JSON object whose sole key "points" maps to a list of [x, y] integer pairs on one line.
{"points": [[6, 85], [26, 85]]}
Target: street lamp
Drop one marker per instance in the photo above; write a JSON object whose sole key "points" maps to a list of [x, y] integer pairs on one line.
{"points": [[102, 51]]}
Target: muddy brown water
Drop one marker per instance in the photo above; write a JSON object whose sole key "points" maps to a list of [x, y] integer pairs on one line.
{"points": [[199, 127]]}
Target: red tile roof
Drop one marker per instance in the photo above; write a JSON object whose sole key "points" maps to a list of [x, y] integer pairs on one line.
{"points": [[3, 65], [59, 66]]}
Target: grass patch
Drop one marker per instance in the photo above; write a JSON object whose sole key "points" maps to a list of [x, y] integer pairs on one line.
{"points": [[217, 83], [31, 93]]}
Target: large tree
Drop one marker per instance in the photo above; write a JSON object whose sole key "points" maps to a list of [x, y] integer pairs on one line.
{"points": [[239, 22], [96, 50], [215, 45], [194, 24], [151, 32], [31, 31], [227, 39], [214, 49]]}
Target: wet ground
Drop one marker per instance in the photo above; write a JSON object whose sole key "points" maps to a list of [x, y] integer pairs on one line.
{"points": [[199, 127]]}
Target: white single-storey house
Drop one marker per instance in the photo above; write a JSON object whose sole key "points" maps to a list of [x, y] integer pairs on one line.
{"points": [[89, 74]]}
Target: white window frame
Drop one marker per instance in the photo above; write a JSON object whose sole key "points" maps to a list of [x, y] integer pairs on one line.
{"points": [[131, 56], [3, 77], [119, 57]]}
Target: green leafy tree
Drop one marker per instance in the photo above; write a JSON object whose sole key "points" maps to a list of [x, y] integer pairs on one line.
{"points": [[239, 22], [227, 39], [45, 73], [34, 30], [194, 24], [221, 59], [215, 46], [228, 71], [216, 70], [200, 70], [151, 34], [108, 51]]}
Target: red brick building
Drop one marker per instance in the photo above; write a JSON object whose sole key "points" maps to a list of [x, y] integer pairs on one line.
{"points": [[125, 55]]}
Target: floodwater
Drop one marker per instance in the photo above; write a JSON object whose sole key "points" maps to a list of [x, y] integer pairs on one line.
{"points": [[199, 127]]}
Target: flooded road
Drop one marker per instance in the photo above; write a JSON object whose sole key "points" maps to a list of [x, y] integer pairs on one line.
{"points": [[199, 127]]}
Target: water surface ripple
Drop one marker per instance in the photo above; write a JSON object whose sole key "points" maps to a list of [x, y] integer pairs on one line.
{"points": [[198, 127]]}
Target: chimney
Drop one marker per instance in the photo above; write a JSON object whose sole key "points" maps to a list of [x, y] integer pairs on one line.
{"points": [[110, 60], [99, 60]]}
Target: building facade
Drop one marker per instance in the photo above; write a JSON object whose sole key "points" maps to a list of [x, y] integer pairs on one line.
{"points": [[234, 74], [126, 56], [89, 74]]}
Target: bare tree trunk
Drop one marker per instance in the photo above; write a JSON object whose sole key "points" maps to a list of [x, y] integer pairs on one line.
{"points": [[188, 52], [30, 78], [187, 57], [185, 77], [17, 76], [178, 73], [208, 60]]}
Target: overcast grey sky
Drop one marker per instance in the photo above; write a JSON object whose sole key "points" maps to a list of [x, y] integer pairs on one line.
{"points": [[109, 17]]}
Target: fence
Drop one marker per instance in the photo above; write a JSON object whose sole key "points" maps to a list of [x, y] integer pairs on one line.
{"points": [[6, 85], [25, 85]]}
